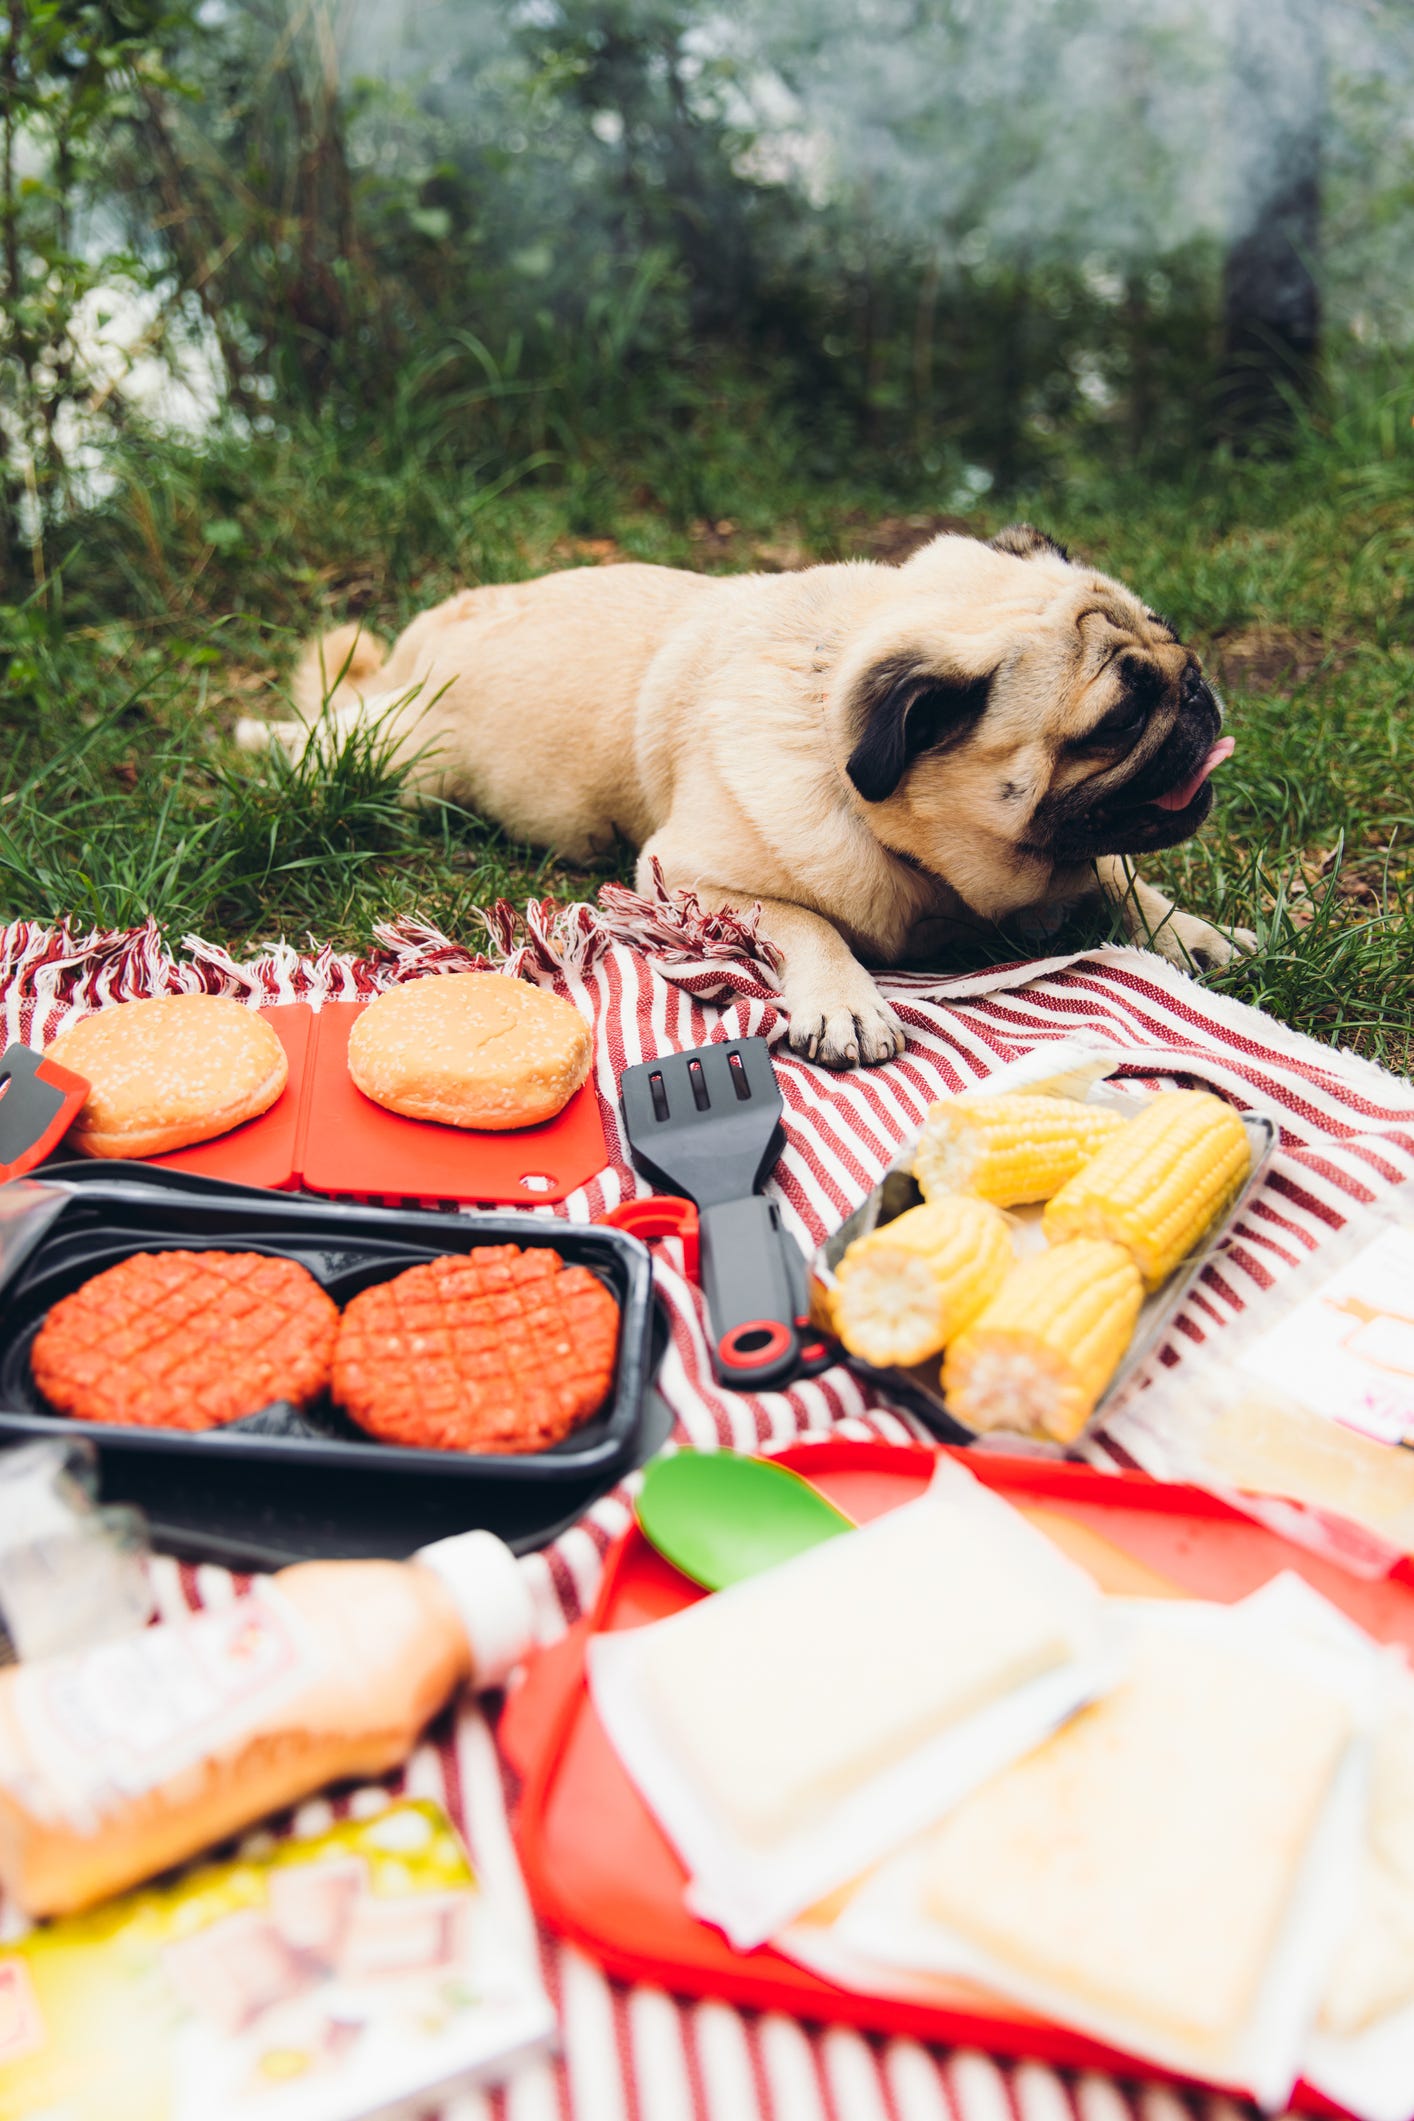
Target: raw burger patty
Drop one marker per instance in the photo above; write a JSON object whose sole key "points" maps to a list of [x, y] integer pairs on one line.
{"points": [[503, 1350], [186, 1340]]}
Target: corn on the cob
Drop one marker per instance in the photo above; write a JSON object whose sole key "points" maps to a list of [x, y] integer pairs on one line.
{"points": [[1049, 1342], [1009, 1149], [905, 1290], [1160, 1184]]}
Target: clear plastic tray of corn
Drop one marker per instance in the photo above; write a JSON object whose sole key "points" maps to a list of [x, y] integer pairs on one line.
{"points": [[1076, 1074]]}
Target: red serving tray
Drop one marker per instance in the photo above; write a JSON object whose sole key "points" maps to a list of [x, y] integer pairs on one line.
{"points": [[265, 1151], [324, 1135], [600, 1870]]}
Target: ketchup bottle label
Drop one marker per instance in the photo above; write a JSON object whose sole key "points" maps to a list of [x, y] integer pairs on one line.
{"points": [[112, 1722]]}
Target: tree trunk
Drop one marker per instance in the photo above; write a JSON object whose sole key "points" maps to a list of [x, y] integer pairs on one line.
{"points": [[1271, 298]]}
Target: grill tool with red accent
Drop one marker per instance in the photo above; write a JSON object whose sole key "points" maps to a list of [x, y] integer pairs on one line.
{"points": [[708, 1124], [39, 1102]]}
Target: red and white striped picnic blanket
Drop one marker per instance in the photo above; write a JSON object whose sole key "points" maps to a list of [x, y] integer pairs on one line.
{"points": [[659, 974]]}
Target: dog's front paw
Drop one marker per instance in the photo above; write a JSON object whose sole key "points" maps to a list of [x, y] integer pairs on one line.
{"points": [[1197, 946], [842, 1031]]}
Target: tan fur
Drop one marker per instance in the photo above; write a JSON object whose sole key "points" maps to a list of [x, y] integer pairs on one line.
{"points": [[332, 669], [710, 722]]}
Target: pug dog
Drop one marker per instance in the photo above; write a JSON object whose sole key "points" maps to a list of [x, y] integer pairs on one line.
{"points": [[883, 758]]}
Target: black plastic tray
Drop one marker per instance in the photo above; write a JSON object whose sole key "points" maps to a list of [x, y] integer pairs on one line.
{"points": [[116, 1210], [238, 1515]]}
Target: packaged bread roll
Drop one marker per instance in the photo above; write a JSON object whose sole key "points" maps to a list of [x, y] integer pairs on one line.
{"points": [[124, 1759]]}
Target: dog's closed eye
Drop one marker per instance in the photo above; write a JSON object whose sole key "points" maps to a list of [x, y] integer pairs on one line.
{"points": [[1125, 720], [1120, 726]]}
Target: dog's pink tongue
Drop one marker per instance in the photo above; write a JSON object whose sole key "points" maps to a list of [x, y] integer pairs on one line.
{"points": [[1179, 798]]}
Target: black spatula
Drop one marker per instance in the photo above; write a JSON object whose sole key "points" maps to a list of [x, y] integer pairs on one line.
{"points": [[39, 1100], [708, 1123]]}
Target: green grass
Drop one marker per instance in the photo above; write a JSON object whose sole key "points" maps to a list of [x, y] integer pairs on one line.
{"points": [[179, 604]]}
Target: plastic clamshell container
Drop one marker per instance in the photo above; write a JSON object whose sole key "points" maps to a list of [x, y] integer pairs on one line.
{"points": [[130, 1209], [918, 1387]]}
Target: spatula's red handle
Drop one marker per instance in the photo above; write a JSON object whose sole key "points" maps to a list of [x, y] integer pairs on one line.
{"points": [[751, 1352], [661, 1215]]}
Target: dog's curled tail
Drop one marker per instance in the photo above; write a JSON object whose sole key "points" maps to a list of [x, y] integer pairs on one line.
{"points": [[334, 668]]}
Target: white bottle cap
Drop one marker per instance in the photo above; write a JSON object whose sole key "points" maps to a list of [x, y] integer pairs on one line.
{"points": [[492, 1598]]}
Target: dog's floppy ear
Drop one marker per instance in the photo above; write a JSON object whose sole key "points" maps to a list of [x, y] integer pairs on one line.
{"points": [[1024, 542], [903, 712]]}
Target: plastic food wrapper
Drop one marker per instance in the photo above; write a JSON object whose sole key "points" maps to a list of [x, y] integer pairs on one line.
{"points": [[366, 1971], [887, 1932], [1361, 2051], [71, 1573], [1302, 1415], [27, 1208], [1370, 2072], [792, 1730], [1063, 1067]]}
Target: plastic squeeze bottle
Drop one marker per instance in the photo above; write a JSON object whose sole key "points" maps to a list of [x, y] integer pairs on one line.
{"points": [[120, 1760]]}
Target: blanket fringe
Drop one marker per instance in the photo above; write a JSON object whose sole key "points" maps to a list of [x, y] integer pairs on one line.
{"points": [[676, 927], [542, 941]]}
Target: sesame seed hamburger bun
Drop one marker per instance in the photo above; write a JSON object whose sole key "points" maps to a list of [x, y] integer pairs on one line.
{"points": [[165, 1073], [470, 1049]]}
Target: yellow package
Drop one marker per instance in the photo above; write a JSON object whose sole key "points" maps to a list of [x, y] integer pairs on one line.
{"points": [[328, 1979]]}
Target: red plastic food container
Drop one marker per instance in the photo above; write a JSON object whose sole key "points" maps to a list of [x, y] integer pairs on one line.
{"points": [[599, 1868]]}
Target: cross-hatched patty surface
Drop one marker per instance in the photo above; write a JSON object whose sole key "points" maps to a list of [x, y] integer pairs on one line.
{"points": [[502, 1350], [186, 1340]]}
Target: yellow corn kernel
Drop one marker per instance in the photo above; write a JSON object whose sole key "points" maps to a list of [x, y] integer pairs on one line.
{"points": [[1049, 1342], [1009, 1149], [1160, 1184], [905, 1289]]}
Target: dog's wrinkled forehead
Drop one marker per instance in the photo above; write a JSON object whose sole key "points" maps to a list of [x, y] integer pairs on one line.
{"points": [[1091, 639], [1115, 643], [1022, 589]]}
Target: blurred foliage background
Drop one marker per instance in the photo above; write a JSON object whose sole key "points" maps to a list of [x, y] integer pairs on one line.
{"points": [[980, 234], [310, 307]]}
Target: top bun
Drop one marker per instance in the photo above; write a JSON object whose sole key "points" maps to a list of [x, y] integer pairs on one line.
{"points": [[471, 1049], [165, 1073]]}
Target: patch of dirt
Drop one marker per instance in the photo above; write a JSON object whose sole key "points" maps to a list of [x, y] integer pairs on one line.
{"points": [[1361, 889], [897, 538], [891, 539], [349, 591], [782, 555], [237, 678], [719, 540], [244, 689], [723, 543], [600, 552], [1269, 658]]}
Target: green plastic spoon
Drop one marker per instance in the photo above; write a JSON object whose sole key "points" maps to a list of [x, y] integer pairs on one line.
{"points": [[719, 1516]]}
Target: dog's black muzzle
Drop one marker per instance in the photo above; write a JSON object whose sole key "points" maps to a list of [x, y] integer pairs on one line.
{"points": [[1077, 824]]}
